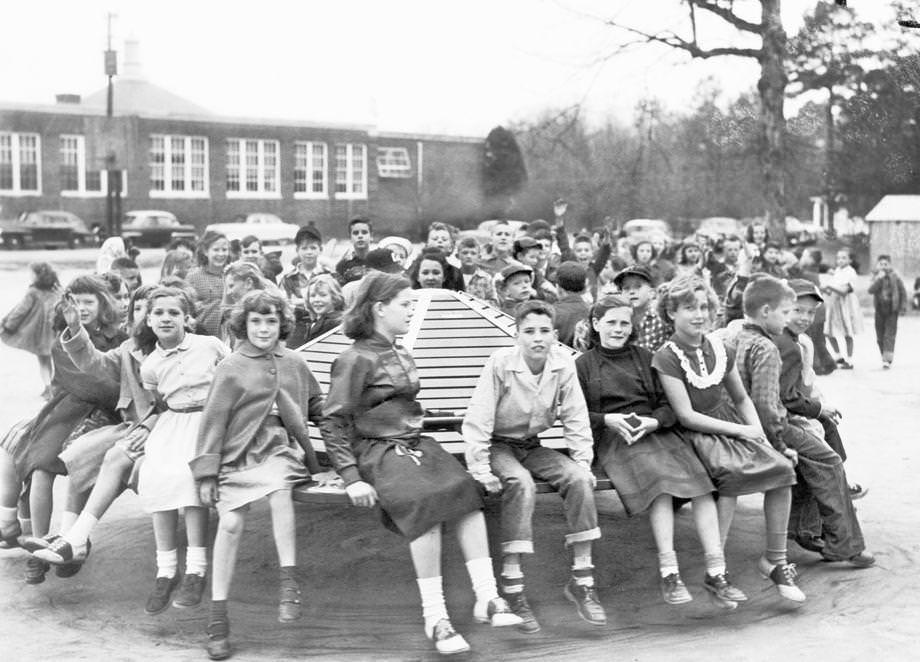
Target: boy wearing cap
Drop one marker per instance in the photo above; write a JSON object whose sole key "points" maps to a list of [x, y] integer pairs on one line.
{"points": [[890, 298], [807, 408], [767, 303], [514, 285], [293, 282], [528, 251], [522, 391], [635, 283]]}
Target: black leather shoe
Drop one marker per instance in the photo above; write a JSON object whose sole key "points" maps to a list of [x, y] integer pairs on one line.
{"points": [[190, 591], [585, 598], [159, 598], [520, 607]]}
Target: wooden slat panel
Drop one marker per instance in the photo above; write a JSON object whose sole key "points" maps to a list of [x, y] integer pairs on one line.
{"points": [[472, 354], [470, 338]]}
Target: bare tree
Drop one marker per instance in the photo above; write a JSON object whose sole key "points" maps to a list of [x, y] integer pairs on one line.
{"points": [[770, 87]]}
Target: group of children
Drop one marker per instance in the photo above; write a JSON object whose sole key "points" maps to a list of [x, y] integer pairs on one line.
{"points": [[191, 394]]}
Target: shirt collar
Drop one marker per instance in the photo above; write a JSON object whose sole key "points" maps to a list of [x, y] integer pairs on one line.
{"points": [[246, 348], [518, 364], [757, 328], [181, 347]]}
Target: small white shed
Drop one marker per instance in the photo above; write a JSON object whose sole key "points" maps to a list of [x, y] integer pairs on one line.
{"points": [[894, 229]]}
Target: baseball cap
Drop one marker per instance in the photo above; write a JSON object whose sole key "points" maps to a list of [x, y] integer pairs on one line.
{"points": [[515, 268], [634, 270], [525, 243], [381, 259], [805, 288]]}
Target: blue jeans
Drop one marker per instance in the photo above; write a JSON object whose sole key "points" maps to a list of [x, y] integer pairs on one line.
{"points": [[822, 494], [517, 464]]}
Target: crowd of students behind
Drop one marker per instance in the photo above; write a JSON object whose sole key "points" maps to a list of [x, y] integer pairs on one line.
{"points": [[187, 392]]}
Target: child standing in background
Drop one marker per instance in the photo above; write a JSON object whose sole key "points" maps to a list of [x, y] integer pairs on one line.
{"points": [[890, 298], [844, 317], [28, 325], [179, 371], [213, 252]]}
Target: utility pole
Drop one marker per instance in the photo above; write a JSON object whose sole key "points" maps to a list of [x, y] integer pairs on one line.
{"points": [[112, 174]]}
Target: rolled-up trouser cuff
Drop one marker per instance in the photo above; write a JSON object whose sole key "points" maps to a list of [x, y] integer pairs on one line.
{"points": [[582, 536], [519, 546]]}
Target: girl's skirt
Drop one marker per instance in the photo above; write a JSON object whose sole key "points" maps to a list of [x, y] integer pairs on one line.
{"points": [[418, 483], [278, 466], [37, 443], [659, 463], [84, 455], [165, 481], [844, 316]]}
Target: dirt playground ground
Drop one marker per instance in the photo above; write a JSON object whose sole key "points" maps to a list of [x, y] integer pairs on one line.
{"points": [[360, 596]]}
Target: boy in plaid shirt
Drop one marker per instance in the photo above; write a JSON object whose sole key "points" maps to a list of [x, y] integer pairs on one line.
{"points": [[767, 303]]}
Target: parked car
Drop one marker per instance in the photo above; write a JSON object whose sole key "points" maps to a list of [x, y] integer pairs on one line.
{"points": [[645, 229], [46, 229], [267, 227], [719, 227], [153, 228], [801, 234]]}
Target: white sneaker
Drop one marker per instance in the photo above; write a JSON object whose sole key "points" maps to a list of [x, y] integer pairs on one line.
{"points": [[446, 640], [497, 612]]}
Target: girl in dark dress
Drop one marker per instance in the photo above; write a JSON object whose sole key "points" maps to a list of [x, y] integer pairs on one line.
{"points": [[371, 432], [649, 463], [701, 381], [78, 403]]}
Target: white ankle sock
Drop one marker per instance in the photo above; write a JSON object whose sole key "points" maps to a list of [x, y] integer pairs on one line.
{"points": [[583, 570], [167, 563], [78, 534], [8, 515], [483, 580], [196, 561], [67, 520], [715, 564], [667, 563], [433, 607]]}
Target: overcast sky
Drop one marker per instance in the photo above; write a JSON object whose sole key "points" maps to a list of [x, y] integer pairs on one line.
{"points": [[440, 66]]}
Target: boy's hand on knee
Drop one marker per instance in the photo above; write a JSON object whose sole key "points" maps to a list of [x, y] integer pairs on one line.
{"points": [[361, 494], [490, 482], [207, 491], [793, 455]]}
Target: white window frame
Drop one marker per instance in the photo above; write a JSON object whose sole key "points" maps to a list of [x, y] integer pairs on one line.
{"points": [[394, 162], [81, 191], [350, 180], [16, 147], [188, 166], [310, 168], [242, 145]]}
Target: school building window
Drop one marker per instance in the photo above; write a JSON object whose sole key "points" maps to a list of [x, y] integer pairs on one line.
{"points": [[77, 179], [252, 168], [20, 163], [351, 171], [178, 167], [393, 162], [310, 170]]}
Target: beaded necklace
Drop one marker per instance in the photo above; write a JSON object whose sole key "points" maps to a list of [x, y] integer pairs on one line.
{"points": [[704, 379]]}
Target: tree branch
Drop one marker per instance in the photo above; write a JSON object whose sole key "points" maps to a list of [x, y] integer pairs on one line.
{"points": [[676, 41], [727, 15]]}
